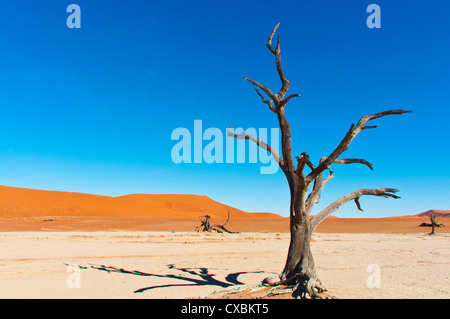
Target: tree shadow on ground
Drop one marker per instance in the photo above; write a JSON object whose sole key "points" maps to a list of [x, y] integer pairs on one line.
{"points": [[193, 276]]}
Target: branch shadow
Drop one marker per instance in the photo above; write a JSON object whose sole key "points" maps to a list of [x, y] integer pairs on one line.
{"points": [[194, 276]]}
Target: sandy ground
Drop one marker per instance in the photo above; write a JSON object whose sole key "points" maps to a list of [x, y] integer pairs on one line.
{"points": [[143, 264], [390, 225]]}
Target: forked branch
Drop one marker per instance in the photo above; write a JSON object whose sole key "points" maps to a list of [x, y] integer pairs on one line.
{"points": [[384, 192], [268, 102], [277, 52], [352, 161], [319, 182], [262, 87], [278, 99], [314, 196], [343, 146]]}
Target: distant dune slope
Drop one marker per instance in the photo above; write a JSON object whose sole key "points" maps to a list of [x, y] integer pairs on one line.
{"points": [[435, 212], [22, 202]]}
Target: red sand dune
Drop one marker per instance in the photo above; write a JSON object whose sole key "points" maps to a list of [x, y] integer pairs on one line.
{"points": [[435, 212], [36, 210], [22, 202]]}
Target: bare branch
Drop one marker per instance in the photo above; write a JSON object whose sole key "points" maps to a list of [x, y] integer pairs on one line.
{"points": [[262, 87], [384, 192], [268, 102], [310, 165], [319, 184], [301, 163], [351, 134], [314, 196], [278, 98], [245, 136], [284, 81], [284, 102], [358, 205], [368, 118], [269, 42], [206, 225], [278, 101], [370, 126], [227, 219], [326, 180], [352, 161]]}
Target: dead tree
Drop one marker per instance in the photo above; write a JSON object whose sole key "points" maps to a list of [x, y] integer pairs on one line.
{"points": [[206, 225], [299, 271], [433, 224]]}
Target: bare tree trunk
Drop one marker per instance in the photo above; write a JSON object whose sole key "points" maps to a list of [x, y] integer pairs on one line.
{"points": [[299, 269], [299, 259]]}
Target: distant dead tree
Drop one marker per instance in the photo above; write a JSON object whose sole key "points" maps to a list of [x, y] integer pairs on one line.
{"points": [[206, 225], [433, 224], [299, 271]]}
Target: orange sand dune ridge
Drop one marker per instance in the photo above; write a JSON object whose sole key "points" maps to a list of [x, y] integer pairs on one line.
{"points": [[22, 202], [24, 209]]}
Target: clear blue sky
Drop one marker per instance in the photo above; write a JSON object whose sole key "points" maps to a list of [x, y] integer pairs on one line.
{"points": [[92, 109]]}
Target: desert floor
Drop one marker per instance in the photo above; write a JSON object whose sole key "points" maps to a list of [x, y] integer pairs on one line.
{"points": [[165, 264]]}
